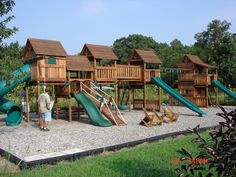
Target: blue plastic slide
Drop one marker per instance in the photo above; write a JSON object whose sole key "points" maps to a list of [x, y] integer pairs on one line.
{"points": [[177, 96], [224, 89], [13, 112]]}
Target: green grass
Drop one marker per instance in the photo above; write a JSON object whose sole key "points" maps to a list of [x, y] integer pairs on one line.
{"points": [[150, 159]]}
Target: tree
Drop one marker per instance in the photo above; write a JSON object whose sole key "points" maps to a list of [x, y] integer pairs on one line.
{"points": [[123, 47], [10, 57], [6, 6], [217, 46]]}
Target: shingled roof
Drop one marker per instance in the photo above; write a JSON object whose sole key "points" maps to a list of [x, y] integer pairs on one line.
{"points": [[147, 56], [78, 63], [45, 47], [196, 60], [99, 52]]}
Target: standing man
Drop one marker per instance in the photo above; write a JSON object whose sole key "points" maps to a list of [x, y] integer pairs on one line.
{"points": [[44, 109]]}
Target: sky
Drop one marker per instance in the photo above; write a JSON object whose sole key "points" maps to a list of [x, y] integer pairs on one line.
{"points": [[76, 22]]}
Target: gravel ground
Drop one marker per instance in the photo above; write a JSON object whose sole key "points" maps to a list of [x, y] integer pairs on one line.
{"points": [[27, 140]]}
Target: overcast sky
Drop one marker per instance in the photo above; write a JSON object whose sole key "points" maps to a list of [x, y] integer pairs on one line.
{"points": [[76, 22]]}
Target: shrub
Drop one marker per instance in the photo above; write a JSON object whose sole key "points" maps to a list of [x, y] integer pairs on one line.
{"points": [[219, 150]]}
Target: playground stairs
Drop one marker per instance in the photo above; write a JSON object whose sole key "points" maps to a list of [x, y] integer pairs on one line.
{"points": [[114, 118], [112, 113]]}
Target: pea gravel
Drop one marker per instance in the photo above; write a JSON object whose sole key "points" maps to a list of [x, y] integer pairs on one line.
{"points": [[27, 140]]}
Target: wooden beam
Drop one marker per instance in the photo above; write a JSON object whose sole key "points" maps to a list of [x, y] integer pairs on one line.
{"points": [[129, 100], [159, 98], [70, 109], [27, 102], [56, 107], [144, 96]]}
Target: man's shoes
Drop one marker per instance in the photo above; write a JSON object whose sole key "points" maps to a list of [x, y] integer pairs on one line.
{"points": [[44, 129]]}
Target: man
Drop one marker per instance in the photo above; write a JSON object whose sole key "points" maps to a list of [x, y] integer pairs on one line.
{"points": [[44, 109]]}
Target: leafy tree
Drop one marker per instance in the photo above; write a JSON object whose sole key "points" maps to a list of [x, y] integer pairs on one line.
{"points": [[6, 6], [124, 46], [218, 47], [10, 57]]}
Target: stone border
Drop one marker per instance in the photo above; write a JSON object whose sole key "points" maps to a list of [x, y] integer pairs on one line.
{"points": [[73, 154]]}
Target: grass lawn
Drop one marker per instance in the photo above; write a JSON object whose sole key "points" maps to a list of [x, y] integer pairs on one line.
{"points": [[150, 159]]}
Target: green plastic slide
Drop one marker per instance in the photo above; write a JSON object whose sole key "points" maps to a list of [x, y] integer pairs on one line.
{"points": [[177, 96], [92, 110], [13, 111], [224, 89]]}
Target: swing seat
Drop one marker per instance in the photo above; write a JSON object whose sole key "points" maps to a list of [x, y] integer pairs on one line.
{"points": [[170, 114], [150, 119], [123, 107]]}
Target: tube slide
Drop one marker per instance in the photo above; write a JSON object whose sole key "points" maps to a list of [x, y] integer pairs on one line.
{"points": [[13, 112], [177, 96], [92, 110], [224, 89]]}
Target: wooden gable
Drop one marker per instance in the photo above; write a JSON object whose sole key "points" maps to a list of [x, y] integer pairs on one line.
{"points": [[144, 56], [41, 47], [100, 52]]}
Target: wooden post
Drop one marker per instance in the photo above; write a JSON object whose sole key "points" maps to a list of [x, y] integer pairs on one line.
{"points": [[159, 98], [27, 103], [70, 109], [56, 107], [37, 96], [116, 93], [144, 96], [129, 99]]}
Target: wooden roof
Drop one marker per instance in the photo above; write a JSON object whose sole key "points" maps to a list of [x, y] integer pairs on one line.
{"points": [[147, 56], [45, 47], [196, 60], [78, 63], [99, 52]]}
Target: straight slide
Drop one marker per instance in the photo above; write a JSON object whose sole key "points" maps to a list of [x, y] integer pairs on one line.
{"points": [[13, 111], [224, 89], [92, 110], [177, 96]]}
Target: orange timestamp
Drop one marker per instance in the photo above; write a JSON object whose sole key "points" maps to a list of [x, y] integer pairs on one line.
{"points": [[190, 160]]}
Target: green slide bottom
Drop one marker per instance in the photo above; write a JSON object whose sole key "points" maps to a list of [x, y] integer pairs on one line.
{"points": [[177, 96], [92, 110], [14, 116], [224, 89]]}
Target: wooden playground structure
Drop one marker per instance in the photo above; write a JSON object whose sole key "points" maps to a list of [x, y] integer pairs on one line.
{"points": [[82, 77], [194, 80]]}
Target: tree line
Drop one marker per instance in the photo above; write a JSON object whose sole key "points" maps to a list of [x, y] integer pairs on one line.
{"points": [[216, 46]]}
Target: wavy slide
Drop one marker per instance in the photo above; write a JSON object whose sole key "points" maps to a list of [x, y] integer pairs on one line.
{"points": [[224, 89], [13, 111], [177, 96], [92, 110]]}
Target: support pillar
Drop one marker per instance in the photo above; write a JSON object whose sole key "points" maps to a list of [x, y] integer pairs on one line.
{"points": [[159, 98], [144, 95], [129, 99], [56, 107], [69, 108], [27, 102]]}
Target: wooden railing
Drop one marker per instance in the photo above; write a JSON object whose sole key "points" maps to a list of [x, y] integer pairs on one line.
{"points": [[150, 104], [200, 101], [105, 73], [186, 77], [128, 72], [149, 73], [200, 79]]}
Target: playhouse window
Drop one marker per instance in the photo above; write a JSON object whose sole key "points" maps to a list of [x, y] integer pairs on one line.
{"points": [[52, 61]]}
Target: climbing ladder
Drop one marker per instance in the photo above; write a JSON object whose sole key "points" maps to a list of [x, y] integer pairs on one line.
{"points": [[110, 110]]}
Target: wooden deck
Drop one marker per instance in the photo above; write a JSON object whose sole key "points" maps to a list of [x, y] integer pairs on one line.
{"points": [[124, 73]]}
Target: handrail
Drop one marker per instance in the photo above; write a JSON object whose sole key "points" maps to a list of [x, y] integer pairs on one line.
{"points": [[95, 92], [113, 102]]}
